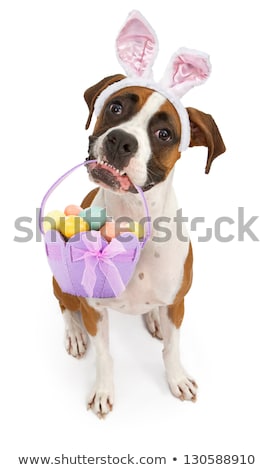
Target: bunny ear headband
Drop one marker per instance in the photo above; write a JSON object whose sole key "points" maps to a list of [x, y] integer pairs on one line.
{"points": [[137, 48]]}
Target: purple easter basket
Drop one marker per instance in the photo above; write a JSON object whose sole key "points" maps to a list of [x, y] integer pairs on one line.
{"points": [[86, 265]]}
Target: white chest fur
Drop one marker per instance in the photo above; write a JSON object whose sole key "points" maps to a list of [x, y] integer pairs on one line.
{"points": [[159, 272]]}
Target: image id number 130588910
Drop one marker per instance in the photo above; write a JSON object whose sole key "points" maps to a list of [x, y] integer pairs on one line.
{"points": [[234, 459]]}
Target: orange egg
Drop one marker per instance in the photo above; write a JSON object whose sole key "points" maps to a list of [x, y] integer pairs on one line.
{"points": [[109, 231], [72, 210], [112, 229]]}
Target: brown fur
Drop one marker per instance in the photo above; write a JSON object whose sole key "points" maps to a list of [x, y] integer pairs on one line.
{"points": [[89, 198], [94, 91], [205, 132], [173, 155], [176, 310]]}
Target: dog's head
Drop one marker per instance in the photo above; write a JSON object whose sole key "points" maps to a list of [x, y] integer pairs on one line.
{"points": [[141, 125], [137, 135]]}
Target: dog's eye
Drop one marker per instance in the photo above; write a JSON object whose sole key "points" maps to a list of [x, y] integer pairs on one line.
{"points": [[163, 134], [116, 108]]}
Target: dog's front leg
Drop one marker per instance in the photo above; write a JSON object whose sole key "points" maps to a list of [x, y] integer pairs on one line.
{"points": [[101, 398], [181, 385], [75, 335]]}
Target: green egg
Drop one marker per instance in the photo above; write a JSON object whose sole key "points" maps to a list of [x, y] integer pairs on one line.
{"points": [[95, 216]]}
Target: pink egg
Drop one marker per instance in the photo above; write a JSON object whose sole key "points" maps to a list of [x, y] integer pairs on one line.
{"points": [[109, 230], [72, 210], [112, 229]]}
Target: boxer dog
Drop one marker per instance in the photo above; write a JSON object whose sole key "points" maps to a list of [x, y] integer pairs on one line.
{"points": [[138, 137]]}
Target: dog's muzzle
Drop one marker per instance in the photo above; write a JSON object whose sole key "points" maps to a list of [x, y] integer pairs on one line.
{"points": [[119, 147]]}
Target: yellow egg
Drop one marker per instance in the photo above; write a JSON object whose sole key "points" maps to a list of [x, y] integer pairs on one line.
{"points": [[73, 224], [52, 220]]}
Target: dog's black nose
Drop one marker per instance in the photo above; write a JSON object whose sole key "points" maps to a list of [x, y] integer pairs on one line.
{"points": [[119, 147]]}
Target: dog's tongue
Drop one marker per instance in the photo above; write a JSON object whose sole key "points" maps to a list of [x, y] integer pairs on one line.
{"points": [[109, 176]]}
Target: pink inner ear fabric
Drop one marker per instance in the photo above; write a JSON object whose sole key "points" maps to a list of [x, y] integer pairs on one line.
{"points": [[189, 68], [136, 47]]}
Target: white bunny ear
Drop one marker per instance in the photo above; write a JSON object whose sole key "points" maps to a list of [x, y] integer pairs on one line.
{"points": [[137, 46], [186, 69]]}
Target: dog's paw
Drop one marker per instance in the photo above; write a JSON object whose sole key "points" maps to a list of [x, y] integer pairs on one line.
{"points": [[101, 401], [152, 321], [76, 339], [184, 388]]}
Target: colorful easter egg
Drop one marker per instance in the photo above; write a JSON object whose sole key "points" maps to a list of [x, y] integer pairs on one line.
{"points": [[109, 230], [73, 224], [112, 229], [95, 216], [71, 209], [52, 220]]}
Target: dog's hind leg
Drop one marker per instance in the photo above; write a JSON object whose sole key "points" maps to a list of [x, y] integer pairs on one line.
{"points": [[153, 324], [102, 395]]}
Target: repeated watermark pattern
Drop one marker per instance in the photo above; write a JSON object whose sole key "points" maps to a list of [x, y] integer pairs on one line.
{"points": [[163, 228]]}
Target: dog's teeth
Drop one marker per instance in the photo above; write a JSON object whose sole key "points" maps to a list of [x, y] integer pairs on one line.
{"points": [[105, 163]]}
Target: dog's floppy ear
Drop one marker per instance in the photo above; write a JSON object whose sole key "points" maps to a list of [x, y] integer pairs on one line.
{"points": [[94, 91], [205, 132]]}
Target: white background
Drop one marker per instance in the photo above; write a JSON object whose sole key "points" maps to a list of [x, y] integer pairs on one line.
{"points": [[51, 51]]}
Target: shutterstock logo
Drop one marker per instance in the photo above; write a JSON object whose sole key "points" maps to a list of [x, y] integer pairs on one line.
{"points": [[224, 229], [240, 227]]}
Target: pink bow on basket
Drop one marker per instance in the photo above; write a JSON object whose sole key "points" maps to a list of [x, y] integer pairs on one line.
{"points": [[97, 255]]}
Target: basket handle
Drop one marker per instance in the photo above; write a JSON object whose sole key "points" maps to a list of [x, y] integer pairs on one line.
{"points": [[65, 175]]}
